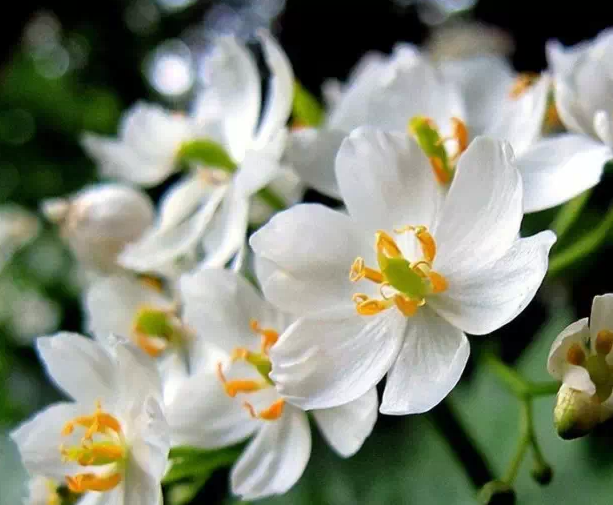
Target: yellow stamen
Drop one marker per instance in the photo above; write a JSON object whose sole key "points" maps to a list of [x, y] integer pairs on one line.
{"points": [[360, 271], [235, 387], [442, 176], [384, 244], [153, 283], [460, 135], [272, 413], [426, 240], [99, 422], [52, 497], [366, 306], [84, 482], [522, 83], [604, 342], [575, 355], [269, 336], [439, 283], [89, 454], [407, 306], [152, 346]]}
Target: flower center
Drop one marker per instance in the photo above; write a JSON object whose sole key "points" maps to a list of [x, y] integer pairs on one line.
{"points": [[102, 444], [523, 82], [401, 283], [261, 363], [155, 329], [601, 373], [428, 137]]}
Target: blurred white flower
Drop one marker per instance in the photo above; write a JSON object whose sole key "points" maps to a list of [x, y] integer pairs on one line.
{"points": [[32, 314], [99, 221], [233, 397], [582, 358], [457, 266], [214, 202], [112, 440]]}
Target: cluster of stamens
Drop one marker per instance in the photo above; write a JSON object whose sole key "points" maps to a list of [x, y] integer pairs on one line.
{"points": [[102, 444], [155, 329], [401, 283], [261, 362], [601, 373], [427, 134]]}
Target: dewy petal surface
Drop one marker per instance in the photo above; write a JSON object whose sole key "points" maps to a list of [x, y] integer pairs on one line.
{"points": [[558, 367], [335, 357], [483, 210], [91, 372], [275, 459], [309, 250], [428, 367], [346, 427], [558, 168], [487, 297], [386, 181]]}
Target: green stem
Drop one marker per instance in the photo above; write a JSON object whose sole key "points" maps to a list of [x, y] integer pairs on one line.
{"points": [[519, 386], [569, 213], [582, 247]]}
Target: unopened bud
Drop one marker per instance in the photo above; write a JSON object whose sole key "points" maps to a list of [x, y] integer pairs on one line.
{"points": [[99, 221], [576, 413], [542, 473], [496, 492]]}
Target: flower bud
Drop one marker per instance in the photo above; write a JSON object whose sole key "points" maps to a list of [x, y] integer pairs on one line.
{"points": [[576, 413], [496, 492], [542, 473], [99, 221]]}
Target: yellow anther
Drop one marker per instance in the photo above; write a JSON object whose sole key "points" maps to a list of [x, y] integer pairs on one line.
{"points": [[439, 283], [575, 355], [442, 176], [153, 283], [460, 135], [604, 342], [272, 413], [53, 498], [238, 354], [235, 387], [153, 346], [384, 244], [426, 240], [366, 306], [522, 83], [269, 336], [84, 482], [407, 306], [359, 271], [99, 422]]}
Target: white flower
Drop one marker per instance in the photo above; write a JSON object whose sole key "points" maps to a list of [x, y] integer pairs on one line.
{"points": [[112, 440], [225, 402], [401, 307], [99, 221], [214, 201], [582, 358]]}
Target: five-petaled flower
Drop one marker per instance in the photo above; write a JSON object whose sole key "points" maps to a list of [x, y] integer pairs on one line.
{"points": [[440, 266]]}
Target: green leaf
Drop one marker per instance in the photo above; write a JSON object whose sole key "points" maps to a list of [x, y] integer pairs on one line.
{"points": [[185, 492], [192, 463], [306, 109], [208, 152]]}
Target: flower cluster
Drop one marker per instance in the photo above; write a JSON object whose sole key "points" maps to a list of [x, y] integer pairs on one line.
{"points": [[203, 337]]}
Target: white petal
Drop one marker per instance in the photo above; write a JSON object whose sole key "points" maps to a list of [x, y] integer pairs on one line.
{"points": [[484, 81], [414, 88], [603, 125], [520, 120], [91, 374], [220, 305], [281, 92], [556, 169], [182, 199], [203, 415], [312, 153], [234, 86], [39, 439], [287, 186], [429, 365], [347, 427], [228, 231], [570, 109], [492, 294], [275, 459], [572, 375], [160, 249], [312, 248], [483, 210], [139, 371], [335, 358], [257, 170], [148, 456], [386, 181], [111, 303], [601, 317], [562, 59]]}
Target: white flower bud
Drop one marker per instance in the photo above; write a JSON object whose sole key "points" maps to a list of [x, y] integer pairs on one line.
{"points": [[99, 221]]}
